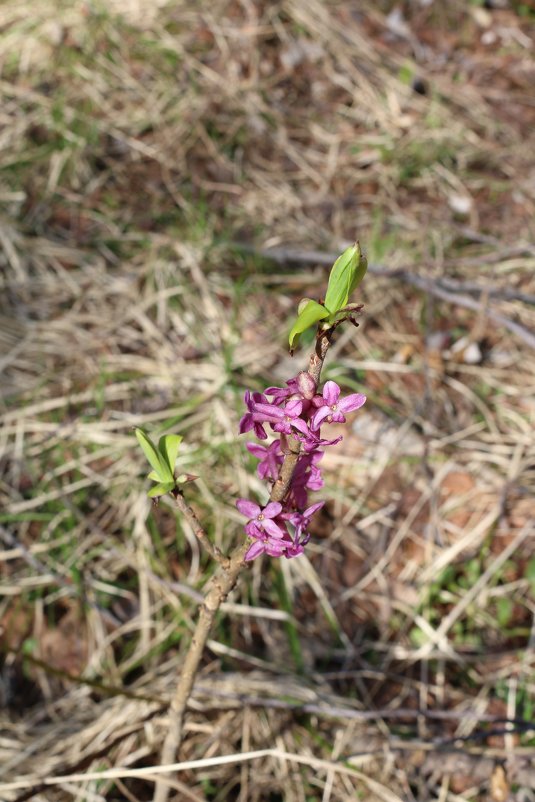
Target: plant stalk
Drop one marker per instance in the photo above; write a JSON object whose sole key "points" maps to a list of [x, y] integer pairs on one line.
{"points": [[220, 586]]}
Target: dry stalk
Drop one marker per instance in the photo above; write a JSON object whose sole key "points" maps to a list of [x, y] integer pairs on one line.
{"points": [[220, 586]]}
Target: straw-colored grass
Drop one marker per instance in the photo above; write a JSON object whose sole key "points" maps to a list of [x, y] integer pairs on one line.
{"points": [[154, 155]]}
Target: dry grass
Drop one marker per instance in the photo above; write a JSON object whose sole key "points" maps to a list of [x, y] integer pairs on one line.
{"points": [[141, 144]]}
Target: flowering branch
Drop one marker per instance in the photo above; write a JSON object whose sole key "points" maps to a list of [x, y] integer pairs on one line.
{"points": [[280, 527], [296, 413]]}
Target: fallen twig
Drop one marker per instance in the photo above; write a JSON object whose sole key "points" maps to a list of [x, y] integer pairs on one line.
{"points": [[445, 289]]}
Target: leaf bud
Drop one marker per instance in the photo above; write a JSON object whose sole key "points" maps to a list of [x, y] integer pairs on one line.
{"points": [[306, 384]]}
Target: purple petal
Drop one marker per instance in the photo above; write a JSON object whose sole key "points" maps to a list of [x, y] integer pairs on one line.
{"points": [[273, 529], [256, 450], [352, 402], [272, 509], [252, 529], [248, 508], [255, 550], [308, 513], [246, 423], [315, 481], [312, 442], [267, 412], [299, 423], [337, 417], [331, 442], [293, 551], [276, 549], [259, 430], [331, 393], [295, 518], [278, 394], [293, 408], [320, 415], [283, 427], [264, 471]]}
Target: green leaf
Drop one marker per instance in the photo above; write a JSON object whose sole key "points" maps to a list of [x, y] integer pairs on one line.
{"points": [[160, 489], [310, 314], [360, 272], [154, 457], [344, 277], [168, 447], [154, 476]]}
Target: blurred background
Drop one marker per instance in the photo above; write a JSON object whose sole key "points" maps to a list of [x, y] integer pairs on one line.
{"points": [[175, 177]]}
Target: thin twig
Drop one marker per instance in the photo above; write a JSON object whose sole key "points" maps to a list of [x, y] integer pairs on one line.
{"points": [[474, 288], [330, 710], [218, 589], [198, 530], [469, 303]]}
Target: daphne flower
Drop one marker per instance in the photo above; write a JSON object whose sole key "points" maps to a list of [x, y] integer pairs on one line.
{"points": [[261, 518], [331, 407], [306, 476], [279, 394], [280, 529], [266, 545], [281, 419], [247, 422], [294, 550], [311, 442], [270, 457], [301, 520]]}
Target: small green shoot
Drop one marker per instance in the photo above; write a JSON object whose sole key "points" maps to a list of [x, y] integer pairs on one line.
{"points": [[346, 274], [162, 460]]}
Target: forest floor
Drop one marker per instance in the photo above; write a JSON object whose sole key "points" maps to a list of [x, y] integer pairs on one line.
{"points": [[176, 176]]}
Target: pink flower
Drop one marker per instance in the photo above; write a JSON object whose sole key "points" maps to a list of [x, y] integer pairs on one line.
{"points": [[281, 419], [270, 457], [261, 518], [312, 441], [301, 521], [306, 476], [279, 394], [331, 408], [295, 411], [266, 545], [247, 422]]}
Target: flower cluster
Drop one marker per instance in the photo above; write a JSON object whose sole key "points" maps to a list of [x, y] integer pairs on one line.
{"points": [[297, 412]]}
